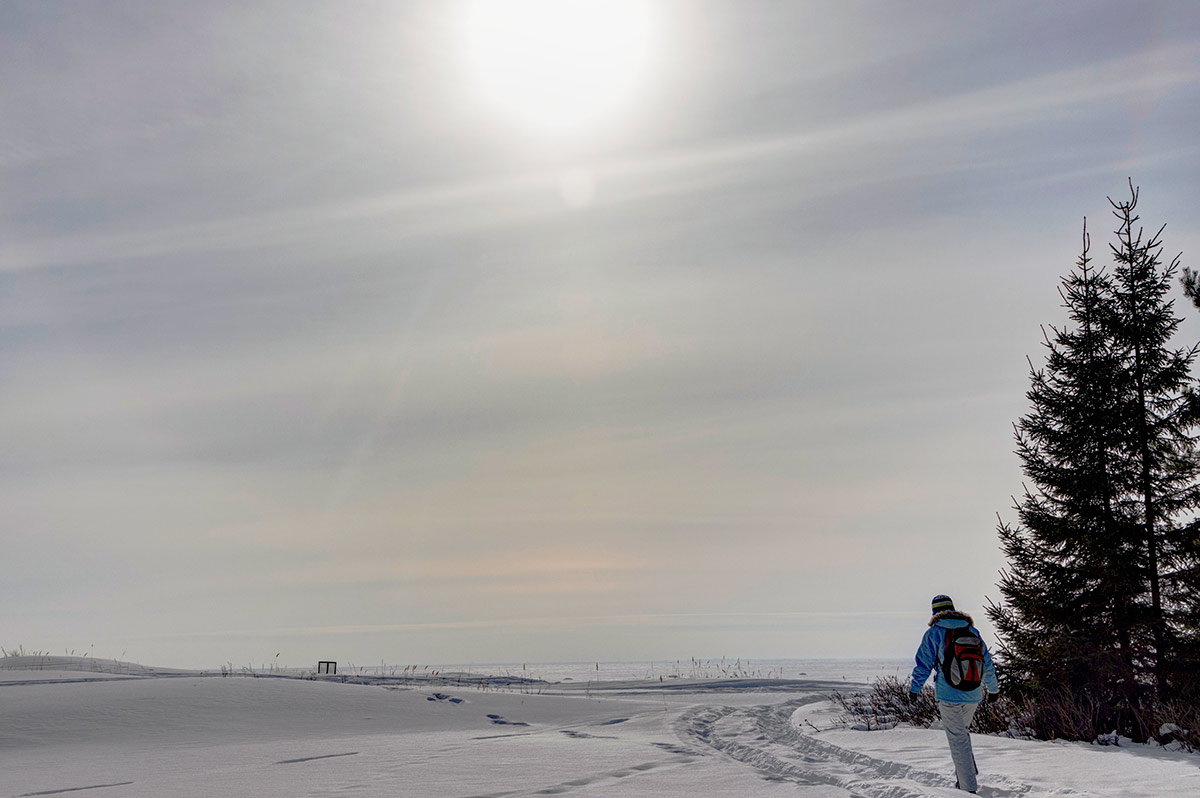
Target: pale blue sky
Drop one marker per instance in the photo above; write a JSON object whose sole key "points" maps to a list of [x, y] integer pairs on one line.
{"points": [[305, 351]]}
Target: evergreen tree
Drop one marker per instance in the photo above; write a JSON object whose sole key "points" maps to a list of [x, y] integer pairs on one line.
{"points": [[1161, 412], [1100, 594], [1067, 587]]}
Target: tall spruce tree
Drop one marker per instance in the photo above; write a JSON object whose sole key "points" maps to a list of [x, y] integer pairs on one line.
{"points": [[1162, 417], [1064, 621], [1099, 593]]}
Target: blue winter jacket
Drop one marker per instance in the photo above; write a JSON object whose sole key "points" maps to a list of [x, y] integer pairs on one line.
{"points": [[929, 659]]}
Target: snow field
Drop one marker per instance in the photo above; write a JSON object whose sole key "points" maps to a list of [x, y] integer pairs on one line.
{"points": [[240, 736], [279, 737]]}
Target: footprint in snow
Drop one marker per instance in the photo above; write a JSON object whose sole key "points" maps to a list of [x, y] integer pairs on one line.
{"points": [[578, 735], [443, 697], [672, 748], [500, 721]]}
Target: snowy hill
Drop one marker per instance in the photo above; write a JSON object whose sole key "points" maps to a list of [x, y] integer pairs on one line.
{"points": [[47, 667]]}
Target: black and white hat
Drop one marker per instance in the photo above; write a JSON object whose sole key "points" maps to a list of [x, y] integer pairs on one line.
{"points": [[942, 603]]}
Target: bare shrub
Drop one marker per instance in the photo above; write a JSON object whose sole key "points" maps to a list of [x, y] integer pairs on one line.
{"points": [[889, 702], [1061, 715], [1004, 716], [1174, 722], [1057, 715]]}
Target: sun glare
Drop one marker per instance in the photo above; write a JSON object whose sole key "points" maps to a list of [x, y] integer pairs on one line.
{"points": [[557, 65]]}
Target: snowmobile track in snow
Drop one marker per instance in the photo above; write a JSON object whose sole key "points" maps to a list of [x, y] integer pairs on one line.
{"points": [[764, 738], [75, 789], [315, 758]]}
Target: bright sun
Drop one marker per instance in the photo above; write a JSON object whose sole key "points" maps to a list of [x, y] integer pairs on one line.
{"points": [[557, 65]]}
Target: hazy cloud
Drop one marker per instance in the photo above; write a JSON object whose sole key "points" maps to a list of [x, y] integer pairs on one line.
{"points": [[301, 341]]}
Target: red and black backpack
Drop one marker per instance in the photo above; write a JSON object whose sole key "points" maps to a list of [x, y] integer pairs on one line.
{"points": [[962, 658]]}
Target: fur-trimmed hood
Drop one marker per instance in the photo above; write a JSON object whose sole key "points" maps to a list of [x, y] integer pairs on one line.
{"points": [[952, 615]]}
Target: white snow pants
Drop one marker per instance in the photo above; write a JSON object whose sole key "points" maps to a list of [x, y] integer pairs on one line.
{"points": [[956, 718]]}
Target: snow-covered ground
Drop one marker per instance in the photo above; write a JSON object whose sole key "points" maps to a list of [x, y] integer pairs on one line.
{"points": [[72, 726]]}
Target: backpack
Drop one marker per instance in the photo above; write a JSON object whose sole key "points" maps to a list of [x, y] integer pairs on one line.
{"points": [[962, 659]]}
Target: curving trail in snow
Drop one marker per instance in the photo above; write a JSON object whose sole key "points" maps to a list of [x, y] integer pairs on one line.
{"points": [[779, 743], [765, 738]]}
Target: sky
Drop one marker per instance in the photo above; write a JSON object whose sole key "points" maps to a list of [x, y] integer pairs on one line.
{"points": [[320, 340]]}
